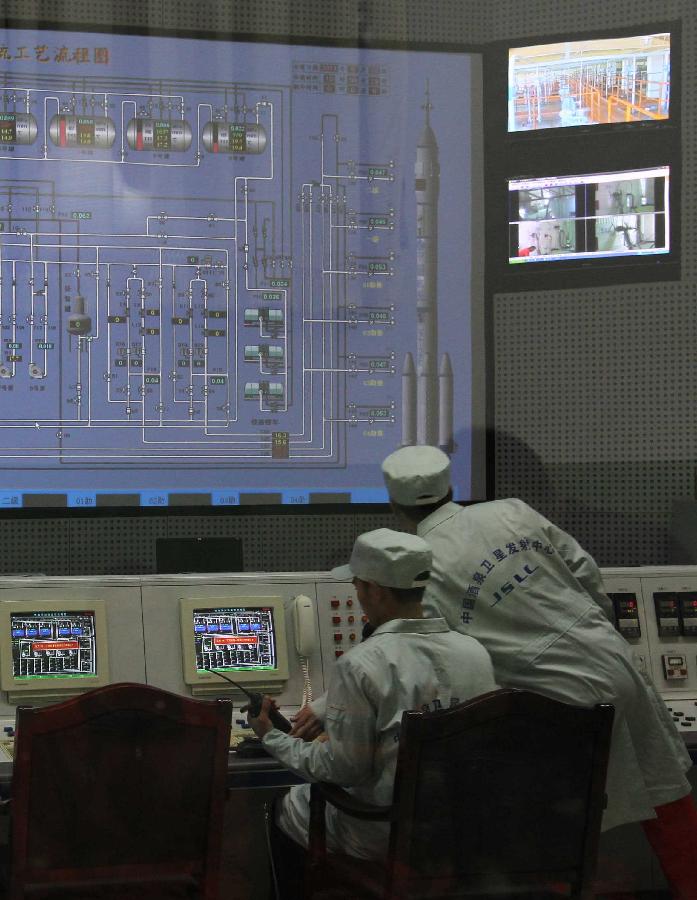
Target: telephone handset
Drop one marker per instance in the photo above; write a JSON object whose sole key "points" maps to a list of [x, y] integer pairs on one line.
{"points": [[305, 633], [255, 701], [304, 625]]}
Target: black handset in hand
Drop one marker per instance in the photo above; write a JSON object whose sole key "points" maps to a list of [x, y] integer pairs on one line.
{"points": [[277, 719], [255, 700]]}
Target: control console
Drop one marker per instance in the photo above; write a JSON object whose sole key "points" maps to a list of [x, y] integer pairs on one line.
{"points": [[655, 609]]}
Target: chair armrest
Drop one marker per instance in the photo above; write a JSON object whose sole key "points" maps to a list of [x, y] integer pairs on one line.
{"points": [[321, 793], [348, 804]]}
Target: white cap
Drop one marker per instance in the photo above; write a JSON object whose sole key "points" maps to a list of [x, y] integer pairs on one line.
{"points": [[388, 558], [416, 476]]}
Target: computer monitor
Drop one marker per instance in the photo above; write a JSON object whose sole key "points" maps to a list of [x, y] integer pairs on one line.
{"points": [[588, 216], [243, 638], [52, 649], [589, 81], [198, 554]]}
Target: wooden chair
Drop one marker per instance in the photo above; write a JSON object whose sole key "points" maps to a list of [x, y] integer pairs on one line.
{"points": [[119, 792], [500, 796]]}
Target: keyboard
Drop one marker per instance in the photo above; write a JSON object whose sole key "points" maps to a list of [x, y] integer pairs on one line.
{"points": [[237, 735], [684, 713]]}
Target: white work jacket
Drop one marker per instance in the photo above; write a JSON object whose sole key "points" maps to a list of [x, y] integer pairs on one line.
{"points": [[406, 664], [508, 577]]}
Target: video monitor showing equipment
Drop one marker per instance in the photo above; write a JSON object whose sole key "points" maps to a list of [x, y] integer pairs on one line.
{"points": [[583, 217], [52, 646], [234, 273], [243, 638], [589, 82]]}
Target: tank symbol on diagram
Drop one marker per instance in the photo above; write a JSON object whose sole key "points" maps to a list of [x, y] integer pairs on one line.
{"points": [[234, 137], [78, 322], [68, 130], [159, 134], [17, 128]]}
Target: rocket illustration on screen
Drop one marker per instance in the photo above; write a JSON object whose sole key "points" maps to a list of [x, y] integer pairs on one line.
{"points": [[427, 383]]}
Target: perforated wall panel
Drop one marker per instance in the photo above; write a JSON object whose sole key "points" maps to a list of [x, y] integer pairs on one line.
{"points": [[122, 545], [510, 18], [84, 12], [125, 545], [444, 21], [35, 547]]}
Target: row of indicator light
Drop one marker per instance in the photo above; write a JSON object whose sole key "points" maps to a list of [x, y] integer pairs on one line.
{"points": [[351, 619], [676, 613], [33, 631]]}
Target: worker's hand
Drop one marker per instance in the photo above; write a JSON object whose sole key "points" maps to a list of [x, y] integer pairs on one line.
{"points": [[306, 725], [261, 724]]}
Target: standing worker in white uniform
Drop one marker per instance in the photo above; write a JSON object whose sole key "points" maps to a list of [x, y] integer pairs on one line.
{"points": [[505, 575], [410, 662]]}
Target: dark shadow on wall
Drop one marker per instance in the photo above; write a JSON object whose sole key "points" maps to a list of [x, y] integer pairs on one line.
{"points": [[619, 512]]}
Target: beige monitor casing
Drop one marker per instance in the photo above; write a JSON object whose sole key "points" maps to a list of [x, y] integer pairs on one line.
{"points": [[51, 689], [207, 683]]}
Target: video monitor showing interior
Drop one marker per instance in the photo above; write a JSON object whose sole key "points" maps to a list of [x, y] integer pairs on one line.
{"points": [[577, 217], [589, 82], [232, 271], [237, 639], [53, 644]]}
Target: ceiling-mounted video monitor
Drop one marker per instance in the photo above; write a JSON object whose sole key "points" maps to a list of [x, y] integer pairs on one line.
{"points": [[234, 273], [589, 216], [593, 81]]}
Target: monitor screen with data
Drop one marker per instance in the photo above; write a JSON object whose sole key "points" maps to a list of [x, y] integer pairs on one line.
{"points": [[588, 216], [233, 273], [52, 643], [243, 638]]}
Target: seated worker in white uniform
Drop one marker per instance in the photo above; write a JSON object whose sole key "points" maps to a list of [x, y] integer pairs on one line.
{"points": [[508, 577], [409, 662]]}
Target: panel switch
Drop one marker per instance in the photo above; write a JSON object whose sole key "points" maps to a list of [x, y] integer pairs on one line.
{"points": [[674, 667], [667, 614], [687, 602], [626, 614]]}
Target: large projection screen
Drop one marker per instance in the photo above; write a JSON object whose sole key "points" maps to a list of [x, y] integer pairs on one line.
{"points": [[233, 271]]}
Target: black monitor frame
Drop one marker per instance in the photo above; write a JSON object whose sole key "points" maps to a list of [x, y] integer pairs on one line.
{"points": [[575, 150]]}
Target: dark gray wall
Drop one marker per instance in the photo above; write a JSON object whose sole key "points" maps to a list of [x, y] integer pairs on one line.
{"points": [[595, 397]]}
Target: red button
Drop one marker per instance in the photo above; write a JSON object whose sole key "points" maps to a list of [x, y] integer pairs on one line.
{"points": [[338, 653], [335, 604], [336, 620], [364, 618], [349, 602], [351, 620], [338, 637]]}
